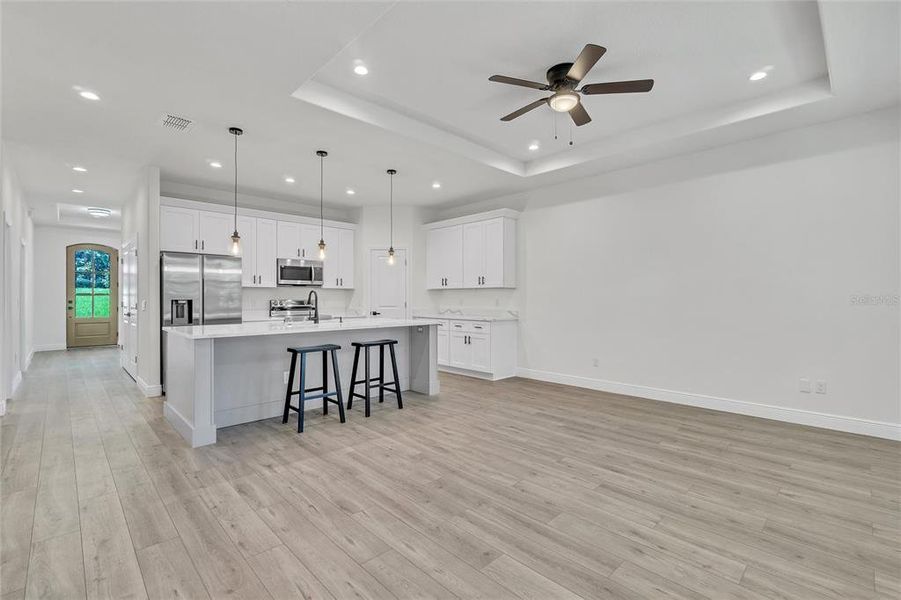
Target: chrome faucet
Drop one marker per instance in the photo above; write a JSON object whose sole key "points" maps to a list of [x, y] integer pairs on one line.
{"points": [[314, 296]]}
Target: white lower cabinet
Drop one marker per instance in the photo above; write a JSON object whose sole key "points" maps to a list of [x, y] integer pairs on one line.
{"points": [[484, 349]]}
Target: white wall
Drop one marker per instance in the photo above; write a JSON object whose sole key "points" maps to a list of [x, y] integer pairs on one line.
{"points": [[16, 317], [50, 287], [723, 290], [140, 221]]}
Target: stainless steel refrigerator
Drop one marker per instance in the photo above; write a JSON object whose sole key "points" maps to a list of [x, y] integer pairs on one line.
{"points": [[198, 289]]}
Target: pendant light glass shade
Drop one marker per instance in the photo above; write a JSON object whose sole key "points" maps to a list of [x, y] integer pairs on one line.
{"points": [[321, 154], [235, 238], [391, 174]]}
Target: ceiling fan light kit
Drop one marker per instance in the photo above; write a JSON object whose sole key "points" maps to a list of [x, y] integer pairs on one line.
{"points": [[563, 79]]}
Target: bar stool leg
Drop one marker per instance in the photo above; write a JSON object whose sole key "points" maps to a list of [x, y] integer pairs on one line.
{"points": [[353, 378], [338, 386], [290, 385], [366, 400], [324, 381], [381, 374], [303, 386], [400, 402]]}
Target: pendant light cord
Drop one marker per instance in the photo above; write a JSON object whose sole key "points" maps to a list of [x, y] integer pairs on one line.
{"points": [[236, 183], [321, 228], [391, 209]]}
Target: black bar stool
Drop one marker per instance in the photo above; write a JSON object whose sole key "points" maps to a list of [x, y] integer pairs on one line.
{"points": [[302, 389], [381, 385]]}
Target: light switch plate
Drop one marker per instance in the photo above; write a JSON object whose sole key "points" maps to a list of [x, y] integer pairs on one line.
{"points": [[804, 385], [821, 386]]}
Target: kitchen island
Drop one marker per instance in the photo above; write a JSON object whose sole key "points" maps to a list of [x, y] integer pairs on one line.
{"points": [[222, 375]]}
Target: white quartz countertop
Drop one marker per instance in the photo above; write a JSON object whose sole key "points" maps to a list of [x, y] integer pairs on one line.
{"points": [[456, 317], [259, 328]]}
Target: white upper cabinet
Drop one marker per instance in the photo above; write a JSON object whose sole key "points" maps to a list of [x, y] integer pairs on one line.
{"points": [[179, 229], [247, 228], [266, 252], [288, 239], [265, 237], [216, 232], [258, 251], [480, 252], [444, 261], [338, 270], [309, 241]]}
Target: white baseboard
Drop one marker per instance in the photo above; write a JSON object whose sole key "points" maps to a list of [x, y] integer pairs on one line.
{"points": [[880, 429], [196, 436], [149, 390], [49, 347]]}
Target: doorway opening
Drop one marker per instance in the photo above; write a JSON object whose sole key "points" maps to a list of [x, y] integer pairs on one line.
{"points": [[388, 284], [92, 292]]}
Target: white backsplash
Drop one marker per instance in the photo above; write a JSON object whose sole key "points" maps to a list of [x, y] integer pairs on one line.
{"points": [[256, 300]]}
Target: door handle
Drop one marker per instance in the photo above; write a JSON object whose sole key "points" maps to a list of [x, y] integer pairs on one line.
{"points": [[202, 244], [195, 244], [375, 313]]}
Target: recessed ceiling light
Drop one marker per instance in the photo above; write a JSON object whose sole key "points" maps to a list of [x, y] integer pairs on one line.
{"points": [[215, 164], [534, 146], [350, 191], [436, 185], [289, 179], [99, 213], [88, 95], [79, 169], [78, 191], [757, 75], [360, 69]]}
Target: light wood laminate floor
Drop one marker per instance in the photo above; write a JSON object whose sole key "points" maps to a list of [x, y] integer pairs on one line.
{"points": [[515, 489]]}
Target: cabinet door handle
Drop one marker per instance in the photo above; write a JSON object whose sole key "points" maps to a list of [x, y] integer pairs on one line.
{"points": [[202, 244], [342, 282], [303, 252], [195, 244]]}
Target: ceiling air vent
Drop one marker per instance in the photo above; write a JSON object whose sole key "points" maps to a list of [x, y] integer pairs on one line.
{"points": [[176, 123]]}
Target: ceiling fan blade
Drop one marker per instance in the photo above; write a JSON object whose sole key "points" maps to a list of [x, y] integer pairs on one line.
{"points": [[522, 82], [587, 58], [618, 87], [579, 115], [524, 110]]}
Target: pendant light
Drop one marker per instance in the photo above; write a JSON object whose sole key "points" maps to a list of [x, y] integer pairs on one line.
{"points": [[391, 174], [236, 239], [321, 154]]}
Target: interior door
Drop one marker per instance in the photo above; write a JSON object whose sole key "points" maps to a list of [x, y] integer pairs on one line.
{"points": [[129, 292], [388, 284], [92, 287]]}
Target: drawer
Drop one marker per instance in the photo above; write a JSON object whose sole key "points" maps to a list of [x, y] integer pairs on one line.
{"points": [[471, 326]]}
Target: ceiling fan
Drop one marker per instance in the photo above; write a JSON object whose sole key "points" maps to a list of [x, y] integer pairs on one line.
{"points": [[562, 79]]}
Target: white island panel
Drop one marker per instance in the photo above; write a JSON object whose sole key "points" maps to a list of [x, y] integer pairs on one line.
{"points": [[223, 375]]}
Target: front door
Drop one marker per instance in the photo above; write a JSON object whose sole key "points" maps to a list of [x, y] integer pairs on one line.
{"points": [[91, 295], [388, 284]]}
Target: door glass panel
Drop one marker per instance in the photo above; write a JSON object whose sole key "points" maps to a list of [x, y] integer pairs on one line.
{"points": [[92, 284]]}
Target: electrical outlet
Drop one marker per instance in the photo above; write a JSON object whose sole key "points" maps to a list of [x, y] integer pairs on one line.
{"points": [[804, 385], [596, 362], [285, 377], [821, 386]]}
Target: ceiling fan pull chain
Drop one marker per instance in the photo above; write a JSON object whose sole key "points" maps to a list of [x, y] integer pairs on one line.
{"points": [[570, 134], [555, 125]]}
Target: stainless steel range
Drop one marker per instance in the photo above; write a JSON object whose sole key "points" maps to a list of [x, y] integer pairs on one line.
{"points": [[290, 309]]}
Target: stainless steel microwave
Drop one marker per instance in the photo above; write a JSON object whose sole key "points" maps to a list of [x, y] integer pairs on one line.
{"points": [[299, 271]]}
